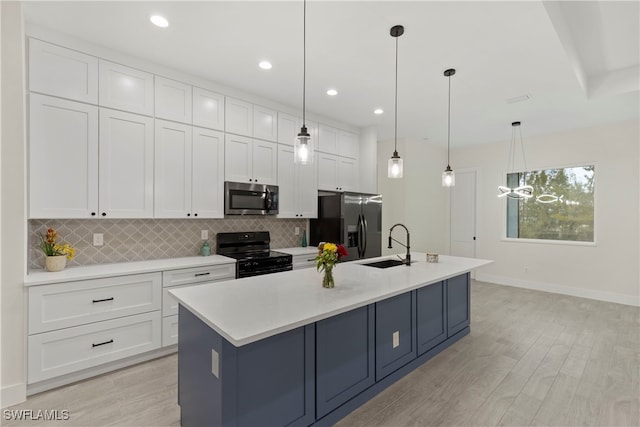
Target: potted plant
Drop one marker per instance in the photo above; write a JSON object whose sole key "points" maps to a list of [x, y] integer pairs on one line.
{"points": [[56, 254]]}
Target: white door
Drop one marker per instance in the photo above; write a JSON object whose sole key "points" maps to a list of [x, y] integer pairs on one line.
{"points": [[287, 201], [307, 190], [238, 155], [63, 135], [463, 215], [207, 174], [327, 172], [208, 109], [238, 117], [173, 100], [347, 174], [125, 88], [265, 162], [172, 170], [265, 123], [126, 165], [328, 139]]}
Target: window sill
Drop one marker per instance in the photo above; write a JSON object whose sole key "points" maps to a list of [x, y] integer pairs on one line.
{"points": [[549, 242]]}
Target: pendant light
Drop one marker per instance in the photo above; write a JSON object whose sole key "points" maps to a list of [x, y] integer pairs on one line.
{"points": [[394, 169], [519, 191], [448, 176], [303, 145]]}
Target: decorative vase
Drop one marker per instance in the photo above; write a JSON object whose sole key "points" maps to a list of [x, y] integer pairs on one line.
{"points": [[55, 263], [327, 280]]}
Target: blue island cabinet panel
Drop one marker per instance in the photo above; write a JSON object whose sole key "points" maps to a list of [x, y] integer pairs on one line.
{"points": [[458, 307], [431, 302], [344, 358], [395, 333], [268, 382]]}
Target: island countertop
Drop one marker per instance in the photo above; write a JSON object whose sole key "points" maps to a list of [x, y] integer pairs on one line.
{"points": [[250, 309]]}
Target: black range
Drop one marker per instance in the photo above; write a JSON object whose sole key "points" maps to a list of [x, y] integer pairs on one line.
{"points": [[253, 254]]}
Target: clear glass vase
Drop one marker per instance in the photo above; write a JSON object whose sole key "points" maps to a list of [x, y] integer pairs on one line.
{"points": [[327, 280]]}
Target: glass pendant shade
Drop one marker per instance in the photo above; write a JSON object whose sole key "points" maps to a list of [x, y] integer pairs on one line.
{"points": [[448, 177], [303, 148], [395, 166]]}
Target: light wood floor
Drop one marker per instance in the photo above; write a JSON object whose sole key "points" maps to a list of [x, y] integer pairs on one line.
{"points": [[532, 358]]}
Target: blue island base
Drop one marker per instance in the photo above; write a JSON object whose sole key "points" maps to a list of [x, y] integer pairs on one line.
{"points": [[319, 373]]}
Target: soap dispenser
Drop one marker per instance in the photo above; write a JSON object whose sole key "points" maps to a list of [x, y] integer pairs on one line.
{"points": [[206, 249]]}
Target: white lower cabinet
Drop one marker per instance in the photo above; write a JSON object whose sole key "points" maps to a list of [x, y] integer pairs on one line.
{"points": [[174, 279], [68, 350], [304, 261]]}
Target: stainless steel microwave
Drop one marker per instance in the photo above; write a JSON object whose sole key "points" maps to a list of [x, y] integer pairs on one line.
{"points": [[250, 199]]}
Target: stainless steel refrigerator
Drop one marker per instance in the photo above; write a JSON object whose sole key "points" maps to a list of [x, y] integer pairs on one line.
{"points": [[352, 219]]}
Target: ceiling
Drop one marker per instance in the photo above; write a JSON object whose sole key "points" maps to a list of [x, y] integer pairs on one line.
{"points": [[577, 61]]}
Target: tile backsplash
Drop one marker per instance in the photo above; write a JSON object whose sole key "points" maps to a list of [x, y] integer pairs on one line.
{"points": [[144, 239]]}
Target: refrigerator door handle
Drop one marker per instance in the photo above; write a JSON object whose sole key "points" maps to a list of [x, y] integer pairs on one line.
{"points": [[364, 234], [359, 236]]}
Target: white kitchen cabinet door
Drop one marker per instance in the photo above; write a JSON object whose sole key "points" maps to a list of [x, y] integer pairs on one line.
{"points": [[63, 158], [238, 117], [125, 88], [173, 100], [62, 72], [172, 170], [288, 129], [287, 200], [328, 172], [307, 190], [126, 165], [349, 144], [207, 174], [238, 158], [347, 174], [328, 139], [208, 109], [265, 162], [265, 123]]}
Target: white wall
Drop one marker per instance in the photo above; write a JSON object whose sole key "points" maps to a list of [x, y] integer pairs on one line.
{"points": [[13, 221], [418, 200], [367, 157], [607, 270]]}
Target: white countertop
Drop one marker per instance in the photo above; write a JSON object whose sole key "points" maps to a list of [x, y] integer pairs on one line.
{"points": [[309, 250], [42, 277], [250, 309]]}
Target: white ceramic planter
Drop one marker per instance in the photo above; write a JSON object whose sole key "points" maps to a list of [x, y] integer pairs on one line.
{"points": [[55, 263]]}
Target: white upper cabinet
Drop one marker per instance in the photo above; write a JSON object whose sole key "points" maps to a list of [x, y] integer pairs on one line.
{"points": [[238, 117], [173, 100], [62, 72], [126, 165], [328, 138], [297, 184], [207, 174], [288, 128], [208, 109], [348, 177], [172, 170], [63, 158], [349, 144], [125, 88], [328, 172], [250, 160], [265, 123]]}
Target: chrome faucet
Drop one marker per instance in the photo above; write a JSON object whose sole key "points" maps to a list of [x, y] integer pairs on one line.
{"points": [[407, 260]]}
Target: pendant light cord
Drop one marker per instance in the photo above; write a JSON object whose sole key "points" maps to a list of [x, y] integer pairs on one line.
{"points": [[304, 63], [449, 124], [395, 138]]}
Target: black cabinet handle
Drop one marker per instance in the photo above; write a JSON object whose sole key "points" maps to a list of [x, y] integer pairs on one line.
{"points": [[102, 300], [255, 180], [102, 343], [188, 214], [250, 180], [474, 237], [195, 214], [93, 214], [103, 214], [202, 274]]}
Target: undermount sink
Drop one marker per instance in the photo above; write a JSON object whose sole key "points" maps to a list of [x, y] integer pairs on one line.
{"points": [[385, 263]]}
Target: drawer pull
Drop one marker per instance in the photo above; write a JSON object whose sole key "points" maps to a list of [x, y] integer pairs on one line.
{"points": [[102, 343], [203, 274], [312, 259], [102, 300]]}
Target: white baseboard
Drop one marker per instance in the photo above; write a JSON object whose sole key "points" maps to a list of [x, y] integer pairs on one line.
{"points": [[13, 394], [633, 300]]}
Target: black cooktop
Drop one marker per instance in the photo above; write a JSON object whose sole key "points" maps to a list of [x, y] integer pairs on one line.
{"points": [[256, 255]]}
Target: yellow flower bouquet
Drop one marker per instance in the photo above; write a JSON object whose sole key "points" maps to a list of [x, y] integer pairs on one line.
{"points": [[328, 255]]}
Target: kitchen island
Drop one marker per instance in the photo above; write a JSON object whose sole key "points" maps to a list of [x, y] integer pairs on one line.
{"points": [[280, 350]]}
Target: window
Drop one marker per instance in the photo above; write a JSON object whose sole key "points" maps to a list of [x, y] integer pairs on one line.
{"points": [[561, 207]]}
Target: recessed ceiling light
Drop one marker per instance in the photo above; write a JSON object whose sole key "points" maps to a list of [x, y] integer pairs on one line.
{"points": [[332, 92], [265, 65], [159, 21], [378, 111]]}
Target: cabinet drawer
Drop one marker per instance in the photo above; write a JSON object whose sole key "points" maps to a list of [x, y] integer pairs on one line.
{"points": [[169, 302], [209, 273], [76, 303], [304, 261], [169, 330], [68, 350]]}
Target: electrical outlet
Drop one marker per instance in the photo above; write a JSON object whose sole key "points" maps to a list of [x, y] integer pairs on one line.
{"points": [[204, 234], [396, 339], [98, 239], [297, 231]]}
